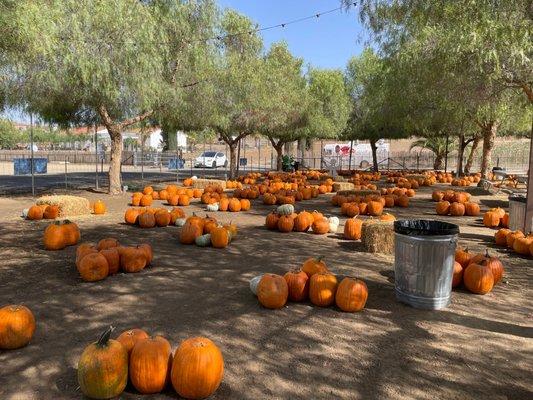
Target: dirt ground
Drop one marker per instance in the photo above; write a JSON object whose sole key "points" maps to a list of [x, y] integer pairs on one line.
{"points": [[480, 347]]}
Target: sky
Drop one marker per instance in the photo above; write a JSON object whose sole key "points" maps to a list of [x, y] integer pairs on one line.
{"points": [[326, 42]]}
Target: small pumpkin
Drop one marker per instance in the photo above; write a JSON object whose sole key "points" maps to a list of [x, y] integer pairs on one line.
{"points": [[71, 232], [51, 212], [272, 291], [107, 243], [500, 237], [149, 364], [463, 257], [212, 207], [313, 266], [491, 219], [333, 224], [197, 368], [35, 213], [54, 237], [17, 325], [234, 205], [131, 216], [132, 259], [129, 338], [351, 295], [254, 282], [180, 221], [298, 284], [322, 289], [457, 278], [162, 218], [320, 226], [189, 232], [271, 221], [147, 220], [99, 207], [103, 368], [203, 240], [285, 209], [353, 228], [285, 223], [512, 236], [457, 209]]}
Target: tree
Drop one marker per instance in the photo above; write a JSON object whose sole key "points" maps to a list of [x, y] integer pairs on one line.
{"points": [[9, 134], [119, 62], [437, 145], [287, 106]]}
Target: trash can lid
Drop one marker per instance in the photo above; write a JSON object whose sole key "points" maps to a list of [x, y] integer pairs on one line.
{"points": [[520, 199], [421, 227]]}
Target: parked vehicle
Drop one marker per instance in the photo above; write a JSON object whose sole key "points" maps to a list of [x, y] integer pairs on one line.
{"points": [[338, 154], [211, 159]]}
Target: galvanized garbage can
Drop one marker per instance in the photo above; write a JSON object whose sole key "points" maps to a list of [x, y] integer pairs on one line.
{"points": [[423, 265], [517, 213]]}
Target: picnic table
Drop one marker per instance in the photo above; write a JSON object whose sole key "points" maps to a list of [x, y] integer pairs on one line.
{"points": [[514, 179]]}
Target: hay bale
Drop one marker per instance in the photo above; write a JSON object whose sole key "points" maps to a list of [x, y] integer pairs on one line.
{"points": [[68, 205], [416, 176], [378, 236], [342, 186], [362, 193], [203, 183]]}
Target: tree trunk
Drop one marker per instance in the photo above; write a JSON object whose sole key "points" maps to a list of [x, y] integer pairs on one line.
{"points": [[301, 149], [439, 162], [471, 155], [374, 155], [460, 154], [279, 156], [489, 136], [232, 145], [115, 181]]}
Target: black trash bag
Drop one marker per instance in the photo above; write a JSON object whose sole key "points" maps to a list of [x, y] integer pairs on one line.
{"points": [[518, 198], [421, 227]]}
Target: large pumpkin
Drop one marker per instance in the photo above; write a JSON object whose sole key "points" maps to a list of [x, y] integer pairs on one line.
{"points": [[93, 267], [285, 223], [197, 368], [132, 259], [271, 221], [113, 259], [35, 213], [148, 252], [17, 326], [71, 232], [472, 209], [463, 257], [131, 216], [500, 237], [272, 291], [147, 220], [129, 338], [495, 265], [512, 236], [313, 266], [457, 278], [107, 243], [491, 219], [103, 368], [375, 208], [298, 284], [322, 289], [521, 244], [457, 209], [51, 212], [351, 295], [320, 226], [149, 364], [478, 278], [352, 228], [162, 218], [302, 222], [443, 207]]}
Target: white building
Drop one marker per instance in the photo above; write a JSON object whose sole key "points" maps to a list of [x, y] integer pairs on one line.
{"points": [[153, 140]]}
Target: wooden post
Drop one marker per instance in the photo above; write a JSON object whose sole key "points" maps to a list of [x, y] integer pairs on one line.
{"points": [[529, 201]]}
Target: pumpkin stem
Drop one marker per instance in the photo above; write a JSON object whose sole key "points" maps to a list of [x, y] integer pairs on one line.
{"points": [[319, 258], [104, 338]]}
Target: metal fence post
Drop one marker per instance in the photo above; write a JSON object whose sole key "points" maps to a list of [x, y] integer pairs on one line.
{"points": [[66, 172], [96, 155], [31, 164]]}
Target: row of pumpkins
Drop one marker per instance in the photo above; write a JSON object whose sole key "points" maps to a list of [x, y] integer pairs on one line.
{"points": [[515, 240], [221, 202], [51, 211], [370, 205], [477, 272], [180, 196], [313, 282], [148, 217], [195, 371], [206, 232], [284, 219], [454, 203], [108, 257]]}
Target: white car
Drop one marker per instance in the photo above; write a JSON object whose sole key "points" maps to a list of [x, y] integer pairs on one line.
{"points": [[211, 159]]}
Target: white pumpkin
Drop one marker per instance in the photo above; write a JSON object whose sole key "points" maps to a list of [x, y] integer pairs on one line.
{"points": [[212, 207], [285, 209], [25, 213], [333, 224], [194, 177], [180, 221], [203, 240], [254, 282]]}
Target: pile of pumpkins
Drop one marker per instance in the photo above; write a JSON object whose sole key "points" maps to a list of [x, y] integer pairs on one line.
{"points": [[454, 203], [148, 217], [231, 204], [233, 185], [515, 240], [195, 371], [477, 272], [284, 219], [108, 257], [172, 194], [60, 234], [496, 217], [314, 282], [205, 232], [372, 204], [289, 196], [17, 325], [466, 180], [402, 180]]}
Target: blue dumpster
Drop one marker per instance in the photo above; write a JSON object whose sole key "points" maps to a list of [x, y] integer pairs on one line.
{"points": [[176, 163], [23, 166]]}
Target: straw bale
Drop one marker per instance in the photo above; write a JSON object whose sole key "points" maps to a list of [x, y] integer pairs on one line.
{"points": [[378, 236], [362, 193], [203, 183], [68, 205], [342, 186]]}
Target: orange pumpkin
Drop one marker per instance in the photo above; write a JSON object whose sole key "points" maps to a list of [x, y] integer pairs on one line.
{"points": [[189, 232], [271, 221], [457, 209], [500, 237], [51, 212], [320, 226], [491, 219], [54, 237], [443, 207], [457, 274], [322, 289], [99, 207], [478, 278], [147, 220], [17, 325], [112, 257], [351, 295], [149, 364], [93, 267], [131, 216], [132, 259], [272, 291], [285, 223], [313, 266], [197, 368], [298, 284], [162, 218], [463, 257], [352, 229], [521, 244], [129, 338], [472, 209], [220, 237], [107, 243], [35, 213], [512, 236]]}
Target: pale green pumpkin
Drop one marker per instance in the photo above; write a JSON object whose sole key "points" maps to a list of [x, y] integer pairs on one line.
{"points": [[285, 209], [204, 240]]}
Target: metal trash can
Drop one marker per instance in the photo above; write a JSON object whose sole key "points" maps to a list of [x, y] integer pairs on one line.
{"points": [[517, 213], [423, 265]]}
